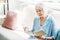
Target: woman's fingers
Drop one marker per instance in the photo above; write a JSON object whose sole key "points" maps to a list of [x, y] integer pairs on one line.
{"points": [[38, 36], [43, 38]]}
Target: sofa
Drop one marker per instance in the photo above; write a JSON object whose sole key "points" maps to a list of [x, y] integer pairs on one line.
{"points": [[6, 34]]}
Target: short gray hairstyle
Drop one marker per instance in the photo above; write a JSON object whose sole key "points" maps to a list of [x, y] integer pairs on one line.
{"points": [[39, 5], [42, 5]]}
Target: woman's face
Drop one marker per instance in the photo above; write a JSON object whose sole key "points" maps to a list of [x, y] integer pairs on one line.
{"points": [[39, 11]]}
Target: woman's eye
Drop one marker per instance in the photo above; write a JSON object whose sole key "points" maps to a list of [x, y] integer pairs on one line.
{"points": [[39, 10]]}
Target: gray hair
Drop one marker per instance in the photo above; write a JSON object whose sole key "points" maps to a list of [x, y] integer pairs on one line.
{"points": [[41, 5]]}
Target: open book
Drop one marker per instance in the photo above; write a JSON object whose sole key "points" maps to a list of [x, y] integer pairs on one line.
{"points": [[41, 32]]}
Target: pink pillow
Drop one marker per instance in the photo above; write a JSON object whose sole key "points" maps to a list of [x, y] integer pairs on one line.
{"points": [[10, 20]]}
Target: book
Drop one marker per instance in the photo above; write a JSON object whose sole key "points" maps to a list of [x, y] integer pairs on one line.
{"points": [[41, 32]]}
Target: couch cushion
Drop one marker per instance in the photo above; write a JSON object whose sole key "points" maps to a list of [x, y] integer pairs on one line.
{"points": [[10, 20]]}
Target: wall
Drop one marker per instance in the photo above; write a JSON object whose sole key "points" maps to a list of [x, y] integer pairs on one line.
{"points": [[29, 12], [56, 15]]}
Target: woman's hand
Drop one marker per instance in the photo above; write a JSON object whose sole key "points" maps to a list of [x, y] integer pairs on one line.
{"points": [[40, 37]]}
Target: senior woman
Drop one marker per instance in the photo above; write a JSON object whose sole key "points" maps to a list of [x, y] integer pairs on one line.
{"points": [[44, 22]]}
